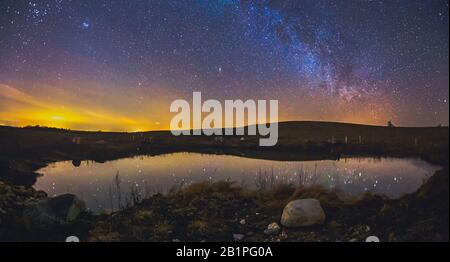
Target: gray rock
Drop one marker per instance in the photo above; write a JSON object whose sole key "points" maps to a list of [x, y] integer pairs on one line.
{"points": [[272, 229], [49, 212], [242, 222], [303, 212]]}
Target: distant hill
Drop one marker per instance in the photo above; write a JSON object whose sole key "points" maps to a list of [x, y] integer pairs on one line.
{"points": [[290, 134]]}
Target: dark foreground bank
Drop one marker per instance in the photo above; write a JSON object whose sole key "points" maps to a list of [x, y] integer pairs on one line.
{"points": [[224, 212]]}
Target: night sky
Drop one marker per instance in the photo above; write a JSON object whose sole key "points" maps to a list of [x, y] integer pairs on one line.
{"points": [[117, 65]]}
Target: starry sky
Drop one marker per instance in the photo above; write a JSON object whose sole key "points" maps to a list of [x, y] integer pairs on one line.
{"points": [[117, 65]]}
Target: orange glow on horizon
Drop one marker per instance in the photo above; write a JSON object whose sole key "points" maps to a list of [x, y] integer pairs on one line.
{"points": [[99, 109]]}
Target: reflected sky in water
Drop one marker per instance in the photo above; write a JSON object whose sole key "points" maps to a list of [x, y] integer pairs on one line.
{"points": [[146, 175]]}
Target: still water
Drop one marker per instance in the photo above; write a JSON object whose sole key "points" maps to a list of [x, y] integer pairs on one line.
{"points": [[99, 183]]}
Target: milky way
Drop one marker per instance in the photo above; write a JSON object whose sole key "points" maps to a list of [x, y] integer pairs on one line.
{"points": [[116, 65]]}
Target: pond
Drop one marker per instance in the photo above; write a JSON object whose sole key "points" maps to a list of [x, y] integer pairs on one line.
{"points": [[102, 185]]}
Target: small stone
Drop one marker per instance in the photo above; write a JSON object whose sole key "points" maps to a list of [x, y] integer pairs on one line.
{"points": [[238, 237], [242, 222], [272, 229], [372, 239]]}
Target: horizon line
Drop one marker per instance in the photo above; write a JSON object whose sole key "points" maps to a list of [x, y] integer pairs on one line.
{"points": [[168, 130]]}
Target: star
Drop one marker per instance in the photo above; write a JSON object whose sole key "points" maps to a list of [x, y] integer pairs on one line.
{"points": [[85, 24], [318, 58]]}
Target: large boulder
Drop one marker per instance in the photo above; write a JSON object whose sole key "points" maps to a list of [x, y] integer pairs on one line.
{"points": [[303, 212], [49, 212]]}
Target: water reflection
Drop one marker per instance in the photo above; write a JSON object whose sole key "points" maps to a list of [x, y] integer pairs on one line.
{"points": [[98, 183]]}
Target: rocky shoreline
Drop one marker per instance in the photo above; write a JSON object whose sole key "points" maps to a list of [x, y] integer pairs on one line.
{"points": [[222, 211]]}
